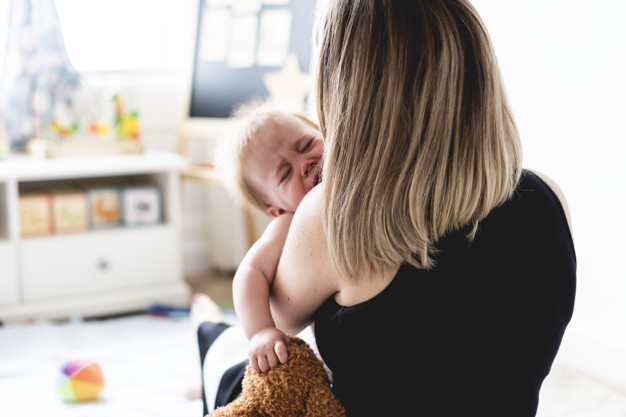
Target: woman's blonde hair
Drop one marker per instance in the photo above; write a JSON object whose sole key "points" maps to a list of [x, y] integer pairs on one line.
{"points": [[419, 136], [234, 150]]}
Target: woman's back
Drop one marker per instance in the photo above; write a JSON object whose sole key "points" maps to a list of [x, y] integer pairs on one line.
{"points": [[420, 140], [476, 335]]}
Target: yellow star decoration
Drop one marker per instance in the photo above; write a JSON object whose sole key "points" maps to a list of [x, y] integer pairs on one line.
{"points": [[289, 86]]}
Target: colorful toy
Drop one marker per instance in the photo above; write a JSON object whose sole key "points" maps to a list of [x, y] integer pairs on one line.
{"points": [[141, 205], [105, 207], [35, 214], [70, 211], [64, 131], [100, 129], [127, 123], [81, 380]]}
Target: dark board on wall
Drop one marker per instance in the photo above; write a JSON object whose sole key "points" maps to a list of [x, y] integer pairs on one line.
{"points": [[217, 86]]}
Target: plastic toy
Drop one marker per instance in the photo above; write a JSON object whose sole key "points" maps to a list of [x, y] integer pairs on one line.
{"points": [[64, 131], [127, 123], [80, 381]]}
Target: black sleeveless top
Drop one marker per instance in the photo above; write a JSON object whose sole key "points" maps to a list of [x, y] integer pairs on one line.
{"points": [[476, 335]]}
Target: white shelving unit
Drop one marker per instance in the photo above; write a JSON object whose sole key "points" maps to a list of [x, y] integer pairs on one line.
{"points": [[98, 271]]}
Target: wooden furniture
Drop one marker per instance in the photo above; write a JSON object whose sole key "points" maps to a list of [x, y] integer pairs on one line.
{"points": [[206, 172], [94, 272]]}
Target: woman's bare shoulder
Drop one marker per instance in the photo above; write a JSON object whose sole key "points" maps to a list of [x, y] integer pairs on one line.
{"points": [[305, 277], [306, 241]]}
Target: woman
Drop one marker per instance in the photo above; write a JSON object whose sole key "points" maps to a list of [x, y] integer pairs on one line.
{"points": [[439, 274]]}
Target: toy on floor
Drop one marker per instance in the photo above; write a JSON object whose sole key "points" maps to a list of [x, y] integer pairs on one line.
{"points": [[80, 381], [299, 387]]}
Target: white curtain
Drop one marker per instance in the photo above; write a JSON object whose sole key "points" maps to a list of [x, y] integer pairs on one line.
{"points": [[37, 72]]}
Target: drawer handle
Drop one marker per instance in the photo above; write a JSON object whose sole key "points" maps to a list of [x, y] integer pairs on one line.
{"points": [[103, 265]]}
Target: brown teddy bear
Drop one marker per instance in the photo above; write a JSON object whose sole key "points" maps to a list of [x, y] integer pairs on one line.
{"points": [[299, 387]]}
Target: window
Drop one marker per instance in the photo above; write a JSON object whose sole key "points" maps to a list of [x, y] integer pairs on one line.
{"points": [[4, 25], [126, 35]]}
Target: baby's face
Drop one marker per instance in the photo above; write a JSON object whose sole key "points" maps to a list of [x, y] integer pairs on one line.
{"points": [[284, 164]]}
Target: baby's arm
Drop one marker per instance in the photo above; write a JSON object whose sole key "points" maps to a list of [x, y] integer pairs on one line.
{"points": [[251, 295]]}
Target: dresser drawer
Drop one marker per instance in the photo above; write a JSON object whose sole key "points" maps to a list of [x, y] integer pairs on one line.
{"points": [[98, 261], [8, 274]]}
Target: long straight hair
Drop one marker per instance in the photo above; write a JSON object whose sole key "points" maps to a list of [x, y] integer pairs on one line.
{"points": [[419, 136]]}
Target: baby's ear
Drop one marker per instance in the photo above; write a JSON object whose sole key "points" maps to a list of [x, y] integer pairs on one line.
{"points": [[275, 211]]}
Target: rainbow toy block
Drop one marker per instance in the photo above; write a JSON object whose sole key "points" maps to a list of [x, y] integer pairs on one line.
{"points": [[80, 380]]}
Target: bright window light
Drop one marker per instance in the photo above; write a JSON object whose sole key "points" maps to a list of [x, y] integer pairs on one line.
{"points": [[4, 23], [119, 35]]}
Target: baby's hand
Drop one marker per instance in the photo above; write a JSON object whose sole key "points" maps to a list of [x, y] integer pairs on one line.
{"points": [[267, 348]]}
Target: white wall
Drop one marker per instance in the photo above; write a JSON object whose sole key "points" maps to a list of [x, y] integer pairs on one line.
{"points": [[564, 65]]}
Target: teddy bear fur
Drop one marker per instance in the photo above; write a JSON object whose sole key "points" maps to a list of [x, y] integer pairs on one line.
{"points": [[300, 387]]}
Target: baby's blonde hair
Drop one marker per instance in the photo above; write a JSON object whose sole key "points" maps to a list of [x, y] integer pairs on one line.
{"points": [[419, 136], [249, 119]]}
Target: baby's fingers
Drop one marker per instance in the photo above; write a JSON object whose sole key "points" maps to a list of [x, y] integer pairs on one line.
{"points": [[272, 360], [262, 365], [280, 348], [254, 363]]}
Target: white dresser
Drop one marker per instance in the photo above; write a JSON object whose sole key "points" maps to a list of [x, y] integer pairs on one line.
{"points": [[96, 272]]}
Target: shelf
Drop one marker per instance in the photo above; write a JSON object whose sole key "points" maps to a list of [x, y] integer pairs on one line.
{"points": [[8, 274], [163, 180], [95, 271], [27, 168], [201, 172]]}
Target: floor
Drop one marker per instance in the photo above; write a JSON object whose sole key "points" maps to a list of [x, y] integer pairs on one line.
{"points": [[150, 361], [216, 284]]}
